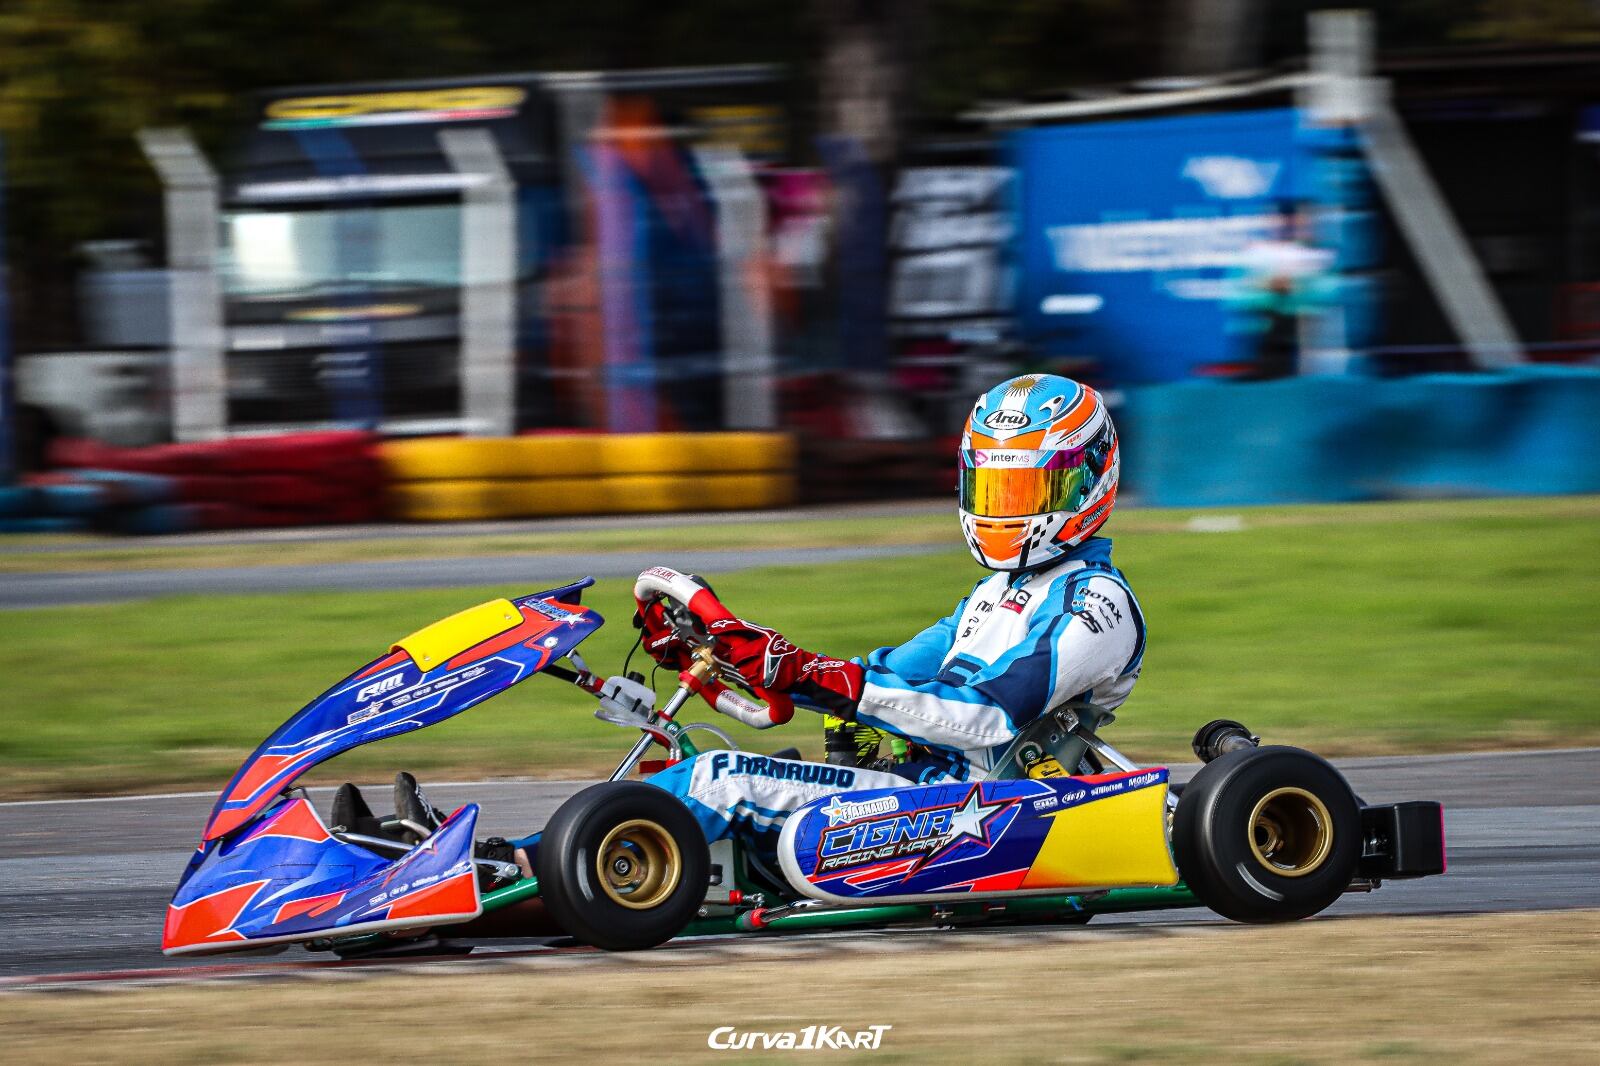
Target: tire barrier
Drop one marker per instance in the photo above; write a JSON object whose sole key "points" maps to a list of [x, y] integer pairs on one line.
{"points": [[460, 479], [241, 483], [1529, 431]]}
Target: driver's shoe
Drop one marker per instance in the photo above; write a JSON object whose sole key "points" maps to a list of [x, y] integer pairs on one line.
{"points": [[850, 743], [417, 817], [350, 813]]}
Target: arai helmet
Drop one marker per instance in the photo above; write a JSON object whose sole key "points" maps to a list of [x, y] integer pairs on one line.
{"points": [[1039, 467]]}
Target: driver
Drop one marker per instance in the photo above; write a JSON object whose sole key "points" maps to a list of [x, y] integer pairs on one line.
{"points": [[1053, 624]]}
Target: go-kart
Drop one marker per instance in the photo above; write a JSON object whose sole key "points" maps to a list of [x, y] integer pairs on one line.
{"points": [[1065, 827]]}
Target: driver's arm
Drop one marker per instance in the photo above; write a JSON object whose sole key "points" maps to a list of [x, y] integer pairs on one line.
{"points": [[1062, 657], [921, 657]]}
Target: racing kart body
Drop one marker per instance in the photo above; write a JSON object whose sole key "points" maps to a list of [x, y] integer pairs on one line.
{"points": [[1260, 833]]}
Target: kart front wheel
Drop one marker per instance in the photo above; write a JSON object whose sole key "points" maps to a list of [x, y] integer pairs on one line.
{"points": [[1267, 834], [623, 865]]}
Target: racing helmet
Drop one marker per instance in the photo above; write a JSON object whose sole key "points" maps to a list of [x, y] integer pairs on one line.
{"points": [[1038, 471]]}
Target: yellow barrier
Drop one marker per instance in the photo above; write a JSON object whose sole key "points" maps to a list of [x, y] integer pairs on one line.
{"points": [[586, 455], [696, 453], [449, 479], [449, 458]]}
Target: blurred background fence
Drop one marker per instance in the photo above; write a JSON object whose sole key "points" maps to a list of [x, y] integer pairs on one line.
{"points": [[1303, 267]]}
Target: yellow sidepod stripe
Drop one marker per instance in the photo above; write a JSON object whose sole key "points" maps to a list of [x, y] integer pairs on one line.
{"points": [[1119, 840], [449, 637]]}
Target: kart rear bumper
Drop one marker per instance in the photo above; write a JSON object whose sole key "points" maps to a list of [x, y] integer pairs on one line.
{"points": [[1402, 840]]}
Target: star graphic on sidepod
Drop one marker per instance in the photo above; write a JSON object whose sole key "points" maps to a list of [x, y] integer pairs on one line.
{"points": [[971, 818], [970, 821]]}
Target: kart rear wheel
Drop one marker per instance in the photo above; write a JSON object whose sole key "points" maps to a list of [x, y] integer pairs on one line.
{"points": [[1267, 834], [623, 866]]}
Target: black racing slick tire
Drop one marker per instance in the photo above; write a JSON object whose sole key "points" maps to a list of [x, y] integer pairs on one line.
{"points": [[623, 866], [1267, 835]]}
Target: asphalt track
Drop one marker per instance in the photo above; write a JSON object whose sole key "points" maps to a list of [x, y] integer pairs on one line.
{"points": [[530, 572], [83, 883], [424, 531]]}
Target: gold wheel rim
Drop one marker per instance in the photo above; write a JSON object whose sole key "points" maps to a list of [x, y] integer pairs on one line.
{"points": [[638, 864], [1291, 832]]}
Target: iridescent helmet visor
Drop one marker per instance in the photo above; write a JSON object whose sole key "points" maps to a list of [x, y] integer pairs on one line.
{"points": [[1012, 484]]}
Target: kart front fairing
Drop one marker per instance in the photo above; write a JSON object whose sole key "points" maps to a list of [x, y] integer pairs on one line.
{"points": [[434, 674], [287, 878], [244, 864]]}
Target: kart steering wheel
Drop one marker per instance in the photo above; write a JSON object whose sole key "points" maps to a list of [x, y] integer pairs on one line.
{"points": [[691, 607]]}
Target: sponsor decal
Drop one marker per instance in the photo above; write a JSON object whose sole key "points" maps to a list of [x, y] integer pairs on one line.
{"points": [[1232, 177], [430, 688], [1109, 611], [724, 764], [1005, 418], [1126, 784], [1015, 600], [1095, 610], [923, 834], [810, 1038], [394, 108], [840, 811], [553, 612], [662, 572], [1158, 244], [378, 688], [1009, 458], [979, 609]]}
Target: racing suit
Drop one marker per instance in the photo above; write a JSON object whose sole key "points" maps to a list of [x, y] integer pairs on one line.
{"points": [[1019, 644]]}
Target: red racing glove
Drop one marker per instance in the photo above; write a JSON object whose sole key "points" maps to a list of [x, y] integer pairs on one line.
{"points": [[765, 659], [660, 641]]}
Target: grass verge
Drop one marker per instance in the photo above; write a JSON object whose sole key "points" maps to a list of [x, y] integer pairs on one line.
{"points": [[911, 528], [1356, 630], [1466, 990]]}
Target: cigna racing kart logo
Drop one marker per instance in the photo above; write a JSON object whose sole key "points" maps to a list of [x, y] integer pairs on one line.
{"points": [[923, 835]]}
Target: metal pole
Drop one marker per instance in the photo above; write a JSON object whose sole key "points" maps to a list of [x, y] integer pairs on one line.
{"points": [[189, 191], [745, 302], [1447, 260], [1342, 92], [488, 283], [8, 411]]}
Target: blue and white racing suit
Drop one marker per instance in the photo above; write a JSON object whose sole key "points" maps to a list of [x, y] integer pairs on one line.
{"points": [[1018, 645]]}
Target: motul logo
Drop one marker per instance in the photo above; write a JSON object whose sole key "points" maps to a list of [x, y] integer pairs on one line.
{"points": [[1004, 419]]}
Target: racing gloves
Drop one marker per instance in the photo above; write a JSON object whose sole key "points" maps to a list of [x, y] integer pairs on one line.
{"points": [[659, 640], [762, 658]]}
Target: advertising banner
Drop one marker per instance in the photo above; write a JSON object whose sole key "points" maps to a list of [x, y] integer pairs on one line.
{"points": [[1130, 231]]}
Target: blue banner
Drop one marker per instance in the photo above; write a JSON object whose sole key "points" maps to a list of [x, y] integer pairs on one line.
{"points": [[1531, 430], [1128, 232]]}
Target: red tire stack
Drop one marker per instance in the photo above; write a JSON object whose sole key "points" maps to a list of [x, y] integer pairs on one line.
{"points": [[295, 479]]}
